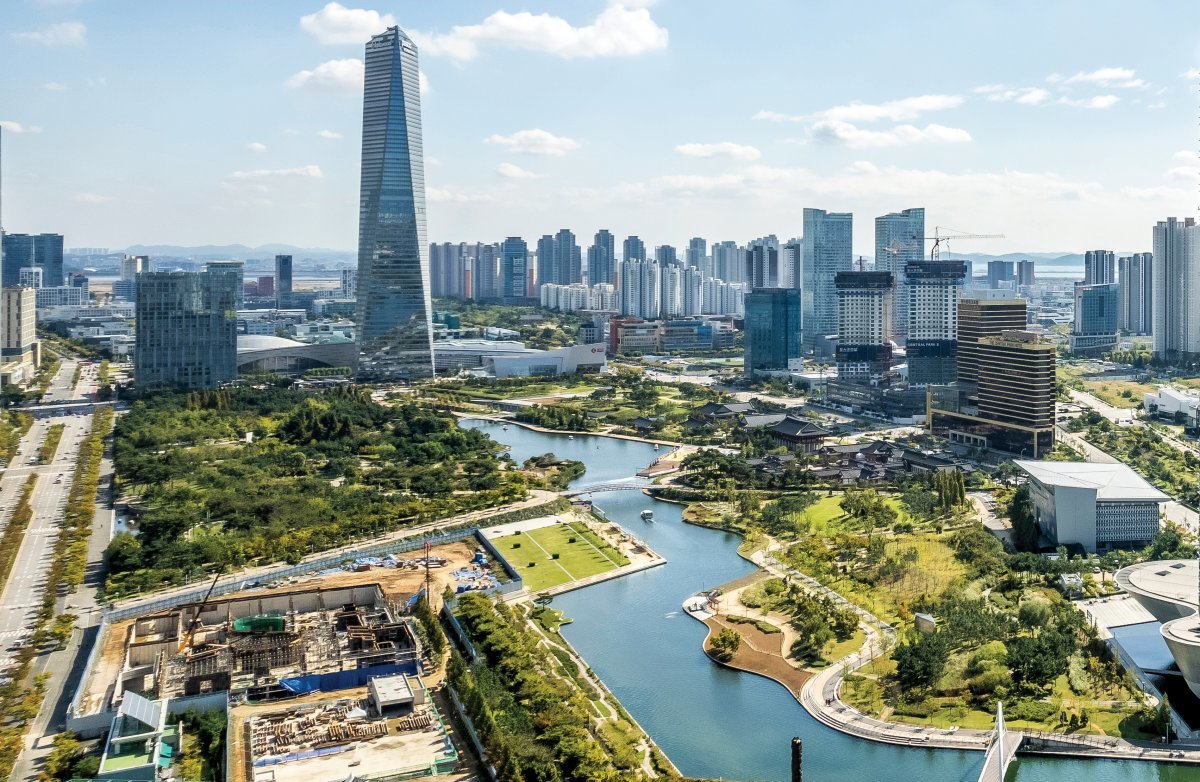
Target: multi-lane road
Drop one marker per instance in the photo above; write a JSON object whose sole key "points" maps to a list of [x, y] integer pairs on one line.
{"points": [[22, 593]]}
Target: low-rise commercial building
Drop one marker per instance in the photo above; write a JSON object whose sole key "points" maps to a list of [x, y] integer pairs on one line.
{"points": [[1097, 506], [513, 359]]}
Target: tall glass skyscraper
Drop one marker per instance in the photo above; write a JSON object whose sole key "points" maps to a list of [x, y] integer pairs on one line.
{"points": [[601, 258], [394, 312], [186, 335], [283, 280], [773, 333], [514, 270], [827, 251], [899, 241]]}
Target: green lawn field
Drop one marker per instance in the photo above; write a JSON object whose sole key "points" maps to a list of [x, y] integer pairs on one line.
{"points": [[532, 554]]}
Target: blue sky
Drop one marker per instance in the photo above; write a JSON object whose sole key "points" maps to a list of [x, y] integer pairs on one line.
{"points": [[1064, 125]]}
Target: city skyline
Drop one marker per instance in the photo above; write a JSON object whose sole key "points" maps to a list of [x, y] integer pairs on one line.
{"points": [[263, 149]]}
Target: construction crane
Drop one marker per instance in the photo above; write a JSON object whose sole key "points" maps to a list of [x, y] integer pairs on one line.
{"points": [[938, 240], [186, 642]]}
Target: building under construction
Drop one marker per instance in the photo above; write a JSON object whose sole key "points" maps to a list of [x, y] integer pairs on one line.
{"points": [[261, 647]]}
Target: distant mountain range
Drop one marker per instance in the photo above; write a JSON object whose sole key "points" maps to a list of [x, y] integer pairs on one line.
{"points": [[238, 251]]}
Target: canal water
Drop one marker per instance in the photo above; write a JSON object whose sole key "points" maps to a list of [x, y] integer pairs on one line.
{"points": [[711, 721]]}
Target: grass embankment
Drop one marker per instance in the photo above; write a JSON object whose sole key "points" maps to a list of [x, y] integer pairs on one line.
{"points": [[46, 375], [13, 427], [553, 555], [78, 374], [50, 444], [14, 531], [1119, 393]]}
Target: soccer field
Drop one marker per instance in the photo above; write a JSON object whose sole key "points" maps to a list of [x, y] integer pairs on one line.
{"points": [[532, 554]]}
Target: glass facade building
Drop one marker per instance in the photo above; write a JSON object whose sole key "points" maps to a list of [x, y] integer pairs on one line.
{"points": [[182, 341], [827, 251], [22, 251], [772, 336], [514, 269], [283, 280], [899, 241], [394, 311]]}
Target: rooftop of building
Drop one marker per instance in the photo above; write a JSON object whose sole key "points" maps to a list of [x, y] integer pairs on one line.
{"points": [[251, 342], [1174, 580], [1111, 481]]}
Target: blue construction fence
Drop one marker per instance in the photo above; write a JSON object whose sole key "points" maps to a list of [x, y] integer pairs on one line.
{"points": [[345, 680]]}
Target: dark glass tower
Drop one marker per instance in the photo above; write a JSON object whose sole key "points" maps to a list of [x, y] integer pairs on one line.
{"points": [[186, 335], [395, 327], [283, 280]]}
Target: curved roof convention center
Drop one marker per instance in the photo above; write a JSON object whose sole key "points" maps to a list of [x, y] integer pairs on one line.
{"points": [[1170, 590]]}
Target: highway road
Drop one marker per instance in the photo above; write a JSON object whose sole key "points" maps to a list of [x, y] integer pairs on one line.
{"points": [[22, 593]]}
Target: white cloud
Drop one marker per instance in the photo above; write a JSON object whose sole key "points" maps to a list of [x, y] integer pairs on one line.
{"points": [[512, 171], [303, 172], [17, 127], [55, 86], [337, 76], [620, 30], [423, 82], [721, 149], [61, 34], [337, 24], [1174, 194], [1190, 73], [1028, 96], [535, 141], [837, 132], [1095, 102], [895, 110], [444, 195], [92, 198], [1124, 78], [329, 134], [256, 146], [99, 81]]}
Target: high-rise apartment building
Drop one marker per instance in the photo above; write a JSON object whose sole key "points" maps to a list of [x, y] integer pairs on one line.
{"points": [[691, 294], [1135, 313], [697, 256], [864, 348], [633, 249], [827, 251], [773, 329], [984, 317], [514, 269], [670, 294], [395, 328], [483, 263], [601, 258], [183, 340], [639, 289], [934, 288], [762, 263], [727, 261], [20, 343], [349, 287], [666, 255], [1099, 267], [283, 281], [546, 273], [899, 241], [1176, 290]]}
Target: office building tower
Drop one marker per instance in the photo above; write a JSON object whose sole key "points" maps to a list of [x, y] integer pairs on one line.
{"points": [[773, 329], [349, 287], [899, 241], [514, 269], [827, 251], [934, 288], [864, 348], [1001, 274], [265, 287], [1025, 274], [1094, 330], [394, 318], [545, 261], [633, 249], [30, 277], [666, 255], [223, 290], [1176, 290], [19, 339], [697, 256], [1099, 267], [601, 258], [78, 280], [639, 289], [283, 281], [1135, 312], [182, 341], [133, 265], [984, 317], [762, 264], [22, 251]]}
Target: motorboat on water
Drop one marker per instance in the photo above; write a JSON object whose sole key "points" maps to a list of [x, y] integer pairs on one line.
{"points": [[647, 515]]}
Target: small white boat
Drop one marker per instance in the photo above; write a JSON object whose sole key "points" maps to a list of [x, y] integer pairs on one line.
{"points": [[505, 427], [570, 437], [647, 515], [656, 446]]}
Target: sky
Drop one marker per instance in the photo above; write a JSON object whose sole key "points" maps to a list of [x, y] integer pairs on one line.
{"points": [[1064, 125]]}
